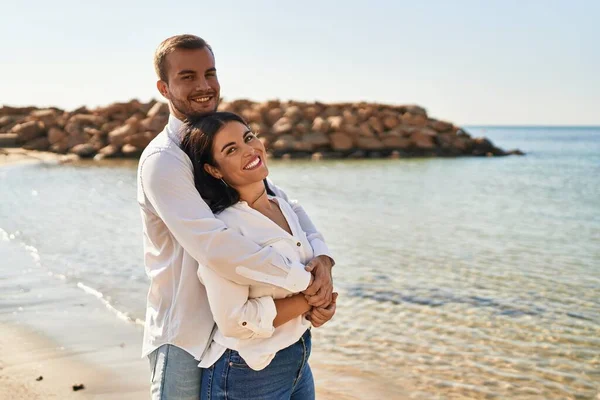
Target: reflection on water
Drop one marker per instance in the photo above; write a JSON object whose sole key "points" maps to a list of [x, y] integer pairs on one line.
{"points": [[466, 278]]}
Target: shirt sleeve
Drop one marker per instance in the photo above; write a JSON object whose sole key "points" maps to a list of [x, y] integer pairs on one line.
{"points": [[235, 314], [167, 183], [315, 238]]}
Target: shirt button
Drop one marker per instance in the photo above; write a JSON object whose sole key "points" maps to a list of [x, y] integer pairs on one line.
{"points": [[298, 244]]}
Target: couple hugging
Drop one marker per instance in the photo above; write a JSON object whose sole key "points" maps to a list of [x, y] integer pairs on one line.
{"points": [[238, 272]]}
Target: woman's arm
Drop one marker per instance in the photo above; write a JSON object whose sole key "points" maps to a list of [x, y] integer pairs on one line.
{"points": [[240, 317], [290, 308]]}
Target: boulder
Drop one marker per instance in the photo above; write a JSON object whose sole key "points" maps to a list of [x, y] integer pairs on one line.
{"points": [[73, 128], [376, 124], [129, 150], [5, 120], [422, 141], [416, 110], [55, 135], [350, 117], [390, 122], [118, 110], [9, 140], [369, 143], [331, 111], [414, 119], [61, 147], [427, 131], [440, 126], [140, 140], [320, 125], [482, 146], [284, 143], [364, 113], [366, 130], [282, 126], [87, 120], [46, 116], [316, 139], [88, 130], [310, 113], [396, 142], [40, 143], [109, 126], [117, 136], [302, 127], [293, 114], [7, 110], [341, 141], [75, 139], [335, 123], [274, 115], [158, 109], [29, 130], [84, 150], [252, 115], [109, 151]]}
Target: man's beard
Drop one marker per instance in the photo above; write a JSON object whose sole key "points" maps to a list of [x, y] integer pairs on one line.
{"points": [[186, 109]]}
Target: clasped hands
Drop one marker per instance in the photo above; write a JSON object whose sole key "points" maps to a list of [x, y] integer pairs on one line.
{"points": [[320, 294]]}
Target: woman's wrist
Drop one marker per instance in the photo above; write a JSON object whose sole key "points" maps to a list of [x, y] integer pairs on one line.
{"points": [[302, 303]]}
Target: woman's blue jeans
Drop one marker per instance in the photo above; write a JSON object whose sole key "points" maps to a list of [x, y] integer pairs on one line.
{"points": [[288, 376]]}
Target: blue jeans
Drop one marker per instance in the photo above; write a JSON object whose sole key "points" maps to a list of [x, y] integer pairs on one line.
{"points": [[175, 374], [288, 376]]}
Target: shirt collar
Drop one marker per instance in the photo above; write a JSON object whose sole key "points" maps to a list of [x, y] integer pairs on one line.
{"points": [[174, 129]]}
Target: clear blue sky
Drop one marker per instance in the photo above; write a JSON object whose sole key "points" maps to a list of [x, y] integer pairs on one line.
{"points": [[467, 61]]}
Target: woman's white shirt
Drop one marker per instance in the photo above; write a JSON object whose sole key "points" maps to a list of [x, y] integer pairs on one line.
{"points": [[244, 314]]}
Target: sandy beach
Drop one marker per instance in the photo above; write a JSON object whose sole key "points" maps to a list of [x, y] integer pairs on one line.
{"points": [[54, 335], [17, 155]]}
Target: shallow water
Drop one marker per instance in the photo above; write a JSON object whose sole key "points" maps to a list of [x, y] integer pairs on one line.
{"points": [[458, 278]]}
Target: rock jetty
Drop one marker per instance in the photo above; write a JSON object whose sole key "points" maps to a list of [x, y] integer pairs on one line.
{"points": [[289, 130]]}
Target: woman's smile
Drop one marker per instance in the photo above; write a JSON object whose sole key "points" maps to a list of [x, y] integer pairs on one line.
{"points": [[254, 163]]}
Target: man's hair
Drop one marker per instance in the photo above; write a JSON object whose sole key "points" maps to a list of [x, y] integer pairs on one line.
{"points": [[188, 42]]}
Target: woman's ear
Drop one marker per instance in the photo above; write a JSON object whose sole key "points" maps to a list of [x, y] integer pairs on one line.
{"points": [[212, 171]]}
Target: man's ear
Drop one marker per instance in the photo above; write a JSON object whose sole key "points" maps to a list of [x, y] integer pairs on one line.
{"points": [[162, 88], [212, 171]]}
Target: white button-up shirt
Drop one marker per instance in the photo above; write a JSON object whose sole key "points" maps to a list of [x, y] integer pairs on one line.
{"points": [[245, 313], [180, 231]]}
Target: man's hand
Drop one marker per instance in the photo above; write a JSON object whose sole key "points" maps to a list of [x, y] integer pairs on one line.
{"points": [[319, 315], [318, 293]]}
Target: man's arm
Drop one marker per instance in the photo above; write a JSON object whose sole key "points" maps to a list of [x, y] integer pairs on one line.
{"points": [[168, 183]]}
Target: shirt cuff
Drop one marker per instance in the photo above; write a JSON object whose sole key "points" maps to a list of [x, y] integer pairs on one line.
{"points": [[297, 279], [320, 249], [263, 328]]}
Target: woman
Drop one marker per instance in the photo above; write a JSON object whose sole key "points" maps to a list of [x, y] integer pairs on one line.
{"points": [[262, 341]]}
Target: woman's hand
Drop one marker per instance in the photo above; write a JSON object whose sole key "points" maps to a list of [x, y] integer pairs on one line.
{"points": [[318, 293], [319, 315]]}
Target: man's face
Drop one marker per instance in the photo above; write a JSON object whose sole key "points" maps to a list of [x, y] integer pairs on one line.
{"points": [[192, 87]]}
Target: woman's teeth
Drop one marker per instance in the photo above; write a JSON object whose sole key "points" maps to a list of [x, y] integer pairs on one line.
{"points": [[253, 163]]}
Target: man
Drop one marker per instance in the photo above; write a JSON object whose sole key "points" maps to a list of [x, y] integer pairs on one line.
{"points": [[180, 231]]}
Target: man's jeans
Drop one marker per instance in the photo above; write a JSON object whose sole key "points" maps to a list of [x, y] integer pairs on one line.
{"points": [[175, 374], [288, 376]]}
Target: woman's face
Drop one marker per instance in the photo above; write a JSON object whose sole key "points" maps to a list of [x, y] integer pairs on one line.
{"points": [[239, 155]]}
